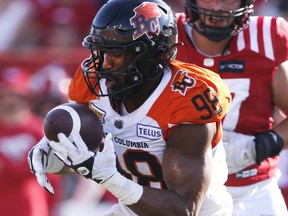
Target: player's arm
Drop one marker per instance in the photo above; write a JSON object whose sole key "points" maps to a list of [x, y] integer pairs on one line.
{"points": [[186, 170], [270, 143], [187, 166], [280, 89]]}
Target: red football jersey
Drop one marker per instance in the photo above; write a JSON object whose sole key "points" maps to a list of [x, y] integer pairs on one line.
{"points": [[20, 192], [248, 69]]}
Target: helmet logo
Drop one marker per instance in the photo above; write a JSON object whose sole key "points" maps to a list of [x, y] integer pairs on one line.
{"points": [[146, 20]]}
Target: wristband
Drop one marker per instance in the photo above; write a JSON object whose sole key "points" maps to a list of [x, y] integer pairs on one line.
{"points": [[127, 191]]}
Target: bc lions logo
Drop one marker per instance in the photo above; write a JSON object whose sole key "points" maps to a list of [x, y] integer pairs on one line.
{"points": [[146, 20], [182, 81]]}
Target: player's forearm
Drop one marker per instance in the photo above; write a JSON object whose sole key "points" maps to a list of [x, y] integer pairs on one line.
{"points": [[155, 202], [282, 130], [151, 201]]}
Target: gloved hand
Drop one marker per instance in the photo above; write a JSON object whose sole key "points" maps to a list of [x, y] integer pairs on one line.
{"points": [[100, 166], [267, 144], [41, 160], [73, 152], [240, 150], [244, 150]]}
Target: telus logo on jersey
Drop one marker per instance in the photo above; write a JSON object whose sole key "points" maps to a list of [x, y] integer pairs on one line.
{"points": [[236, 66], [146, 20], [149, 132], [182, 81]]}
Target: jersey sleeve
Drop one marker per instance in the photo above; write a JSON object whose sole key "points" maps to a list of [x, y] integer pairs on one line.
{"points": [[78, 89], [281, 39], [206, 97]]}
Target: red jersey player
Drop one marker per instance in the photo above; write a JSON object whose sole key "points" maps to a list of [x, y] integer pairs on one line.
{"points": [[19, 129], [250, 53]]}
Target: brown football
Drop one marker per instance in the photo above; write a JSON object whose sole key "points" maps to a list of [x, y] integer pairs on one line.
{"points": [[71, 117]]}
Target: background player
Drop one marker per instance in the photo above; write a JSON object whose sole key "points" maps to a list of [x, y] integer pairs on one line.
{"points": [[250, 53], [19, 129]]}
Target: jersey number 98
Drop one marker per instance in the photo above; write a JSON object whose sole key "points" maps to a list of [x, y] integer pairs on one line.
{"points": [[209, 102]]}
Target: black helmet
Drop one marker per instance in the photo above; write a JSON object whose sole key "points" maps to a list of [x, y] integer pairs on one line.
{"points": [[241, 18], [147, 28]]}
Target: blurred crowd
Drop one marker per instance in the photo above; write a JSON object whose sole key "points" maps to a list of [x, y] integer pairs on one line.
{"points": [[40, 48]]}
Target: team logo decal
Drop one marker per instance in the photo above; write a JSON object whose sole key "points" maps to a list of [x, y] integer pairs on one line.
{"points": [[146, 20], [99, 112], [182, 81]]}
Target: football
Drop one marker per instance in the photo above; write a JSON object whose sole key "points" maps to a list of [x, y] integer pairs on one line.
{"points": [[71, 118]]}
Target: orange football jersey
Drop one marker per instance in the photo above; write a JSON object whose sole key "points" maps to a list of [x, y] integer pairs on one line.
{"points": [[187, 94]]}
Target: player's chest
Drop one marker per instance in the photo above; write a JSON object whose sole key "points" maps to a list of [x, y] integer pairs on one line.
{"points": [[136, 131], [238, 65], [139, 146]]}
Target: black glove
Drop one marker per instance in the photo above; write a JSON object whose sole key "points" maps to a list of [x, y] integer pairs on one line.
{"points": [[267, 144]]}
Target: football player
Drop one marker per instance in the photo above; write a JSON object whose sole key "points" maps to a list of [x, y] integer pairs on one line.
{"points": [[250, 53], [162, 118]]}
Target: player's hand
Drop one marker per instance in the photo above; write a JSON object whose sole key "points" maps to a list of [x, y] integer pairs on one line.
{"points": [[73, 151], [240, 150], [38, 158], [100, 166], [267, 144]]}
